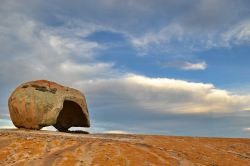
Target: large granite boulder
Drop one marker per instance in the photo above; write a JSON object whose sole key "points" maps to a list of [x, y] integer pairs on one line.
{"points": [[41, 103]]}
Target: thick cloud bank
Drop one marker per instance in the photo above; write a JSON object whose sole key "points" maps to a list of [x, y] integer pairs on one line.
{"points": [[164, 95]]}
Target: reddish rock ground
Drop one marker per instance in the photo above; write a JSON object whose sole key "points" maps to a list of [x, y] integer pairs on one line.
{"points": [[27, 147]]}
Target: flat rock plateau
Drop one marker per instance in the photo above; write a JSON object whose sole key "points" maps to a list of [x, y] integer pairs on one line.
{"points": [[31, 147]]}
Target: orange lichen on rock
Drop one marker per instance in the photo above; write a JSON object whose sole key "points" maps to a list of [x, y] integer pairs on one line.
{"points": [[56, 148], [41, 103]]}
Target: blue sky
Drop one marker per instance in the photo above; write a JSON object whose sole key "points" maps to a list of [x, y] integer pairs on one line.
{"points": [[154, 67]]}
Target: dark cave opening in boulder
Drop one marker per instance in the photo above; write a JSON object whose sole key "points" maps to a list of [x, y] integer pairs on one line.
{"points": [[71, 115]]}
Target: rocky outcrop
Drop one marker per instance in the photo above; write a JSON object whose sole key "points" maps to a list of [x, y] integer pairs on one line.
{"points": [[19, 147], [41, 103]]}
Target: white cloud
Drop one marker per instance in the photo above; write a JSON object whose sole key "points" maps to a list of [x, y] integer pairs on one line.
{"points": [[73, 46], [238, 34], [175, 38], [162, 95], [72, 67], [117, 132], [194, 66], [165, 36], [185, 65], [37, 51], [246, 129], [180, 25]]}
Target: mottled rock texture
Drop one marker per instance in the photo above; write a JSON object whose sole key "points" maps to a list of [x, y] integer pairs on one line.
{"points": [[41, 103], [47, 148]]}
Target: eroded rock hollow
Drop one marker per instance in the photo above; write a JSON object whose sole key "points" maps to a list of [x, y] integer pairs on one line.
{"points": [[41, 103]]}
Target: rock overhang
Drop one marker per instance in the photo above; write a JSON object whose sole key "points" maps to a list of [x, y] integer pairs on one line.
{"points": [[40, 103]]}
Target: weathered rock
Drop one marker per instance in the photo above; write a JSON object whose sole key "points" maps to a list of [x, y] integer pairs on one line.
{"points": [[41, 103], [119, 149]]}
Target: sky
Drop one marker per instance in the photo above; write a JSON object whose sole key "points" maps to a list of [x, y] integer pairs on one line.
{"points": [[149, 67]]}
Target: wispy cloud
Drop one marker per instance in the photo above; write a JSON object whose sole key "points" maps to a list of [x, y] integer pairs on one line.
{"points": [[117, 132], [4, 115], [75, 68], [185, 65], [246, 129], [46, 52], [194, 66], [180, 26], [238, 34]]}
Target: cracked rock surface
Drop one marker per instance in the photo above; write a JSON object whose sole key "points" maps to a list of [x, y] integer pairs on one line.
{"points": [[41, 103], [30, 147]]}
